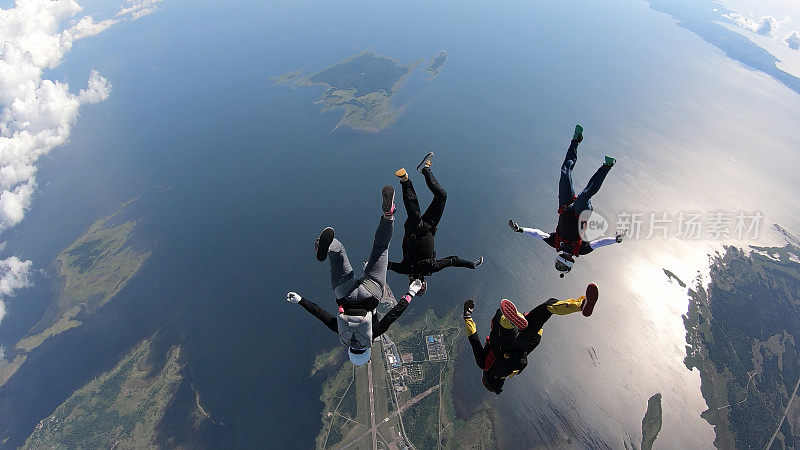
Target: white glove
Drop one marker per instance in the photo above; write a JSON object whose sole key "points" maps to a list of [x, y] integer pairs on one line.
{"points": [[293, 297], [414, 287], [621, 235]]}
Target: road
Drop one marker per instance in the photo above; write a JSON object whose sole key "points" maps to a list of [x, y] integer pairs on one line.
{"points": [[788, 405], [372, 408], [374, 428]]}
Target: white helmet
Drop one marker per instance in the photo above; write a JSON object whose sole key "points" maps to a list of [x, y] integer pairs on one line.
{"points": [[358, 357], [564, 262]]}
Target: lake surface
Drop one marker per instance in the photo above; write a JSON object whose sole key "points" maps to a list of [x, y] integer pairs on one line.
{"points": [[254, 174]]}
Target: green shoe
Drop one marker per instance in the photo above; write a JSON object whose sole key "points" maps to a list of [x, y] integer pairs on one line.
{"points": [[609, 161], [578, 136]]}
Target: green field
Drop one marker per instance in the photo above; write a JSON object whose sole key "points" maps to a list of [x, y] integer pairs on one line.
{"points": [[651, 423], [428, 413], [93, 268], [120, 408], [742, 334], [362, 86]]}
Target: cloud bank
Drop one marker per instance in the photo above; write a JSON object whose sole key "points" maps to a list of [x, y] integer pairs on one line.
{"points": [[139, 8], [766, 26], [36, 114]]}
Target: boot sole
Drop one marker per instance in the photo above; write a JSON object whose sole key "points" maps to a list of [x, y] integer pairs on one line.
{"points": [[324, 243], [388, 199], [419, 167], [591, 299], [510, 311]]}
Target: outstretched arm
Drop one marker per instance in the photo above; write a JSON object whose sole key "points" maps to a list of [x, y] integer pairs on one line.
{"points": [[535, 232], [380, 327], [324, 316], [602, 242]]}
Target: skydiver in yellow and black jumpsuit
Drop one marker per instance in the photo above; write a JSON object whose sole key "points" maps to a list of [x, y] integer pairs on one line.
{"points": [[514, 335]]}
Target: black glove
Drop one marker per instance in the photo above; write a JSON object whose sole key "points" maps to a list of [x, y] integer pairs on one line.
{"points": [[469, 306]]}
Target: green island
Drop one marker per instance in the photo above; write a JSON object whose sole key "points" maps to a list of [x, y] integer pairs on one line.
{"points": [[651, 423], [363, 86], [404, 396], [742, 334], [93, 268], [436, 65], [119, 408]]}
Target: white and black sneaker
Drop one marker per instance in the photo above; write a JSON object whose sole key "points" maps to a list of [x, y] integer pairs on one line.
{"points": [[427, 161], [323, 243], [478, 262]]}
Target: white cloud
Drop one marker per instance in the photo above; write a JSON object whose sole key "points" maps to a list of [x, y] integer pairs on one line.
{"points": [[37, 114], [766, 26], [13, 275], [793, 40], [138, 8]]}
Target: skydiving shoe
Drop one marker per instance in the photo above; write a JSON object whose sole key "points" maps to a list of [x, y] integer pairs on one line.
{"points": [[578, 135], [388, 201], [323, 243], [402, 175], [427, 161], [512, 315], [514, 226], [610, 161], [477, 262], [591, 298]]}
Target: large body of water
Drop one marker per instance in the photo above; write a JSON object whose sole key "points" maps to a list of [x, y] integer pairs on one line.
{"points": [[255, 174]]}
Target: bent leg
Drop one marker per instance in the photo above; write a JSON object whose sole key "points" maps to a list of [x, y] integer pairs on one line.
{"points": [[564, 307], [584, 200], [341, 270], [411, 202], [400, 268], [565, 190], [451, 261], [379, 258], [324, 316], [436, 209], [538, 316]]}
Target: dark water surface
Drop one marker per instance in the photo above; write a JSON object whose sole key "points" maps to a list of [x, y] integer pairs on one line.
{"points": [[237, 181]]}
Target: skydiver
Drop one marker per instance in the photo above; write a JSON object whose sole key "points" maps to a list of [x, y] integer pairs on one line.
{"points": [[567, 239], [357, 297], [514, 335], [419, 258], [356, 325]]}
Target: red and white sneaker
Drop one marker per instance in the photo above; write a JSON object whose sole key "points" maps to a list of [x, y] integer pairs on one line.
{"points": [[591, 298], [510, 311]]}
